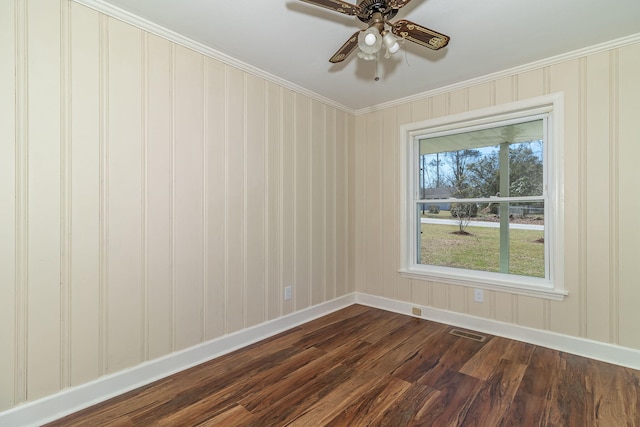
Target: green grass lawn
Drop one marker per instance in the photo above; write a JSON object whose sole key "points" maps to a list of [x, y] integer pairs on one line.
{"points": [[481, 249]]}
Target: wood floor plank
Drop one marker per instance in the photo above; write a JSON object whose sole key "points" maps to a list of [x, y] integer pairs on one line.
{"points": [[296, 400], [235, 416], [495, 396], [409, 408], [571, 400], [456, 393], [543, 373], [336, 400], [526, 410], [363, 366], [426, 358], [486, 360], [370, 404]]}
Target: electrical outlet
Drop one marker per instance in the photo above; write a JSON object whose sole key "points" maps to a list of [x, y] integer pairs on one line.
{"points": [[287, 293], [416, 311], [478, 295]]}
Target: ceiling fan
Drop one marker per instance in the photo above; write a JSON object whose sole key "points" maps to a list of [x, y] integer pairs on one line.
{"points": [[380, 31]]}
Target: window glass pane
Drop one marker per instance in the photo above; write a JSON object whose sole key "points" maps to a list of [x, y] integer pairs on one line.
{"points": [[526, 239], [443, 244], [471, 164], [479, 242]]}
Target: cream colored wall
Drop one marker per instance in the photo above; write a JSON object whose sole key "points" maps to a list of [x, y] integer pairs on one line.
{"points": [[152, 198], [602, 231]]}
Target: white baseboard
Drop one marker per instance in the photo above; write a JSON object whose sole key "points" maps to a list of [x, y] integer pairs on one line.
{"points": [[609, 353], [76, 398]]}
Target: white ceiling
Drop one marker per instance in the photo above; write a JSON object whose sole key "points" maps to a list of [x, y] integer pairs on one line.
{"points": [[294, 40]]}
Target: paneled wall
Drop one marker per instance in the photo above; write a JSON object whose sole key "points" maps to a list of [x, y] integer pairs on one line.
{"points": [[152, 198], [602, 148]]}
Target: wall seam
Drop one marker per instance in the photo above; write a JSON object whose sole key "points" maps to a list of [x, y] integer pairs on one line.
{"points": [[205, 198], [381, 203], [324, 206], [245, 195], [281, 207], [104, 195], [225, 286], [309, 141], [144, 327], [65, 196], [546, 304], [334, 214], [172, 196], [294, 297], [22, 202], [614, 197], [397, 148], [266, 282], [582, 198]]}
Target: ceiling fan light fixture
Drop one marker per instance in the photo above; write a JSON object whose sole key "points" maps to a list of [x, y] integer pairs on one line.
{"points": [[370, 40], [367, 56], [390, 42], [380, 30]]}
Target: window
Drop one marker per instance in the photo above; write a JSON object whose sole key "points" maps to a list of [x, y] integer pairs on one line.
{"points": [[482, 202]]}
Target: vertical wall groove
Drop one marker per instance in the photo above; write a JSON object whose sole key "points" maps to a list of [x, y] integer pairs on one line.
{"points": [[225, 291], [323, 182], [614, 197], [172, 197], [22, 202], [295, 205], [310, 205], [281, 192], [546, 304], [582, 196], [65, 195], [265, 179], [334, 214], [104, 192], [144, 274], [245, 182], [205, 201]]}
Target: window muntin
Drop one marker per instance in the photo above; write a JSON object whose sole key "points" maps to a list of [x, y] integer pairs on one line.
{"points": [[524, 278]]}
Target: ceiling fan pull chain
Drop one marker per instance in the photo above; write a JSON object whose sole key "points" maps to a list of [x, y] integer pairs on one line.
{"points": [[406, 57]]}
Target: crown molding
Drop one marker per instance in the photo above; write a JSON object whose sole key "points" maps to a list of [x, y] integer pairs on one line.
{"points": [[132, 19], [158, 30], [602, 47]]}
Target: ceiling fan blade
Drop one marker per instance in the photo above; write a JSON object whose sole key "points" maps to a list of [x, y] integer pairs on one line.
{"points": [[397, 4], [336, 5], [346, 49], [419, 34]]}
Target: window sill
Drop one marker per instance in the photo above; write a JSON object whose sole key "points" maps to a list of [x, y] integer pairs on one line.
{"points": [[507, 286]]}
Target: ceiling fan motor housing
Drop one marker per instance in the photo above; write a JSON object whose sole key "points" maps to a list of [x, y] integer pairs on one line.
{"points": [[369, 7]]}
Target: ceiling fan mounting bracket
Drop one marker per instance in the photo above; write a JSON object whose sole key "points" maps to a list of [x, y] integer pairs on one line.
{"points": [[368, 8]]}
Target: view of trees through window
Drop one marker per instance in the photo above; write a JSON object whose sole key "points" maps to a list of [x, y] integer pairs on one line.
{"points": [[481, 200]]}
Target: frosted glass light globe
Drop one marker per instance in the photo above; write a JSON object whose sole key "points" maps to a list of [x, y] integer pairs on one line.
{"points": [[370, 39]]}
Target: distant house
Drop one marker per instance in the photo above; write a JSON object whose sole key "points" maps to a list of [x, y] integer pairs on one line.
{"points": [[435, 194]]}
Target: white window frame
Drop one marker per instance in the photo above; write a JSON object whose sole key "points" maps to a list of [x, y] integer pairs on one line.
{"points": [[550, 287]]}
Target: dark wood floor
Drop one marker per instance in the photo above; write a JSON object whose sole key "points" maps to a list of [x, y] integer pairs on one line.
{"points": [[363, 366]]}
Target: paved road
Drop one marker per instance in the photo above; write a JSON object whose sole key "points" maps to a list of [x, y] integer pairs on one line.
{"points": [[482, 224]]}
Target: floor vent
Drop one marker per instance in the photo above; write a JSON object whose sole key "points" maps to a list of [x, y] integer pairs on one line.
{"points": [[468, 335]]}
